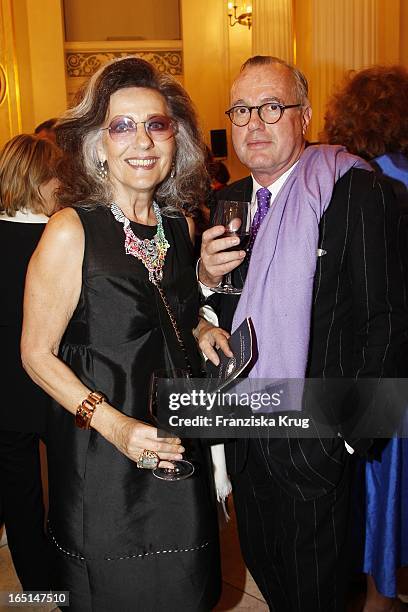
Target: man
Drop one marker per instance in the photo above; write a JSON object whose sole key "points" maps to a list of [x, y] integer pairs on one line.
{"points": [[323, 288]]}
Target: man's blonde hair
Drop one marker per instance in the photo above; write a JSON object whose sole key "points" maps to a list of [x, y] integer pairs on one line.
{"points": [[301, 87]]}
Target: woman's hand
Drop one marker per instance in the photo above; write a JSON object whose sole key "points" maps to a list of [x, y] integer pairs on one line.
{"points": [[209, 338], [131, 437]]}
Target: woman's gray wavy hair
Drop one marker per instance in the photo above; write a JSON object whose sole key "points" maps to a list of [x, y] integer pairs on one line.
{"points": [[78, 134]]}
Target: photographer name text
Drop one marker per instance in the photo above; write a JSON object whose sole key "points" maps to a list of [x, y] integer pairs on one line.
{"points": [[228, 421]]}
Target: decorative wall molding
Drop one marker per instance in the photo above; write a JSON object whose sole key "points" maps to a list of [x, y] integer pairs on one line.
{"points": [[84, 64], [82, 59]]}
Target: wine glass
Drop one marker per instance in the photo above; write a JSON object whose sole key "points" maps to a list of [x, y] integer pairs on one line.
{"points": [[235, 217], [161, 385]]}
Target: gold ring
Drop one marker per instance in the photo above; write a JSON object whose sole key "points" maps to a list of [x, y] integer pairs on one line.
{"points": [[148, 460]]}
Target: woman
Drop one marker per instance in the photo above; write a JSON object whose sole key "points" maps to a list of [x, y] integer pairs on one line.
{"points": [[105, 267], [27, 186], [368, 116]]}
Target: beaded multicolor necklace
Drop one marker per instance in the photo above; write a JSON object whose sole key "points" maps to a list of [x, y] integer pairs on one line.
{"points": [[151, 253]]}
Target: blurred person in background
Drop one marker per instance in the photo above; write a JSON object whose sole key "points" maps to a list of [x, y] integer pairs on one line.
{"points": [[46, 129], [219, 175], [27, 199], [368, 115]]}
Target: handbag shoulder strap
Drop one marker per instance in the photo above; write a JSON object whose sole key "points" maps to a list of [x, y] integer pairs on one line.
{"points": [[174, 325]]}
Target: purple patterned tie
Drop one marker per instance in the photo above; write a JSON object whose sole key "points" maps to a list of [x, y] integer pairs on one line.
{"points": [[263, 197]]}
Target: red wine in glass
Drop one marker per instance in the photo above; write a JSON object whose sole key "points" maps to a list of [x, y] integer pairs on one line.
{"points": [[243, 241], [236, 218]]}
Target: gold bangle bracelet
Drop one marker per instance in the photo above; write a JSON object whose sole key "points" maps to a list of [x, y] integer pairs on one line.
{"points": [[86, 409]]}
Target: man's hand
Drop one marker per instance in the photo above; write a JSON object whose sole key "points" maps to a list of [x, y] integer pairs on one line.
{"points": [[209, 338], [215, 260]]}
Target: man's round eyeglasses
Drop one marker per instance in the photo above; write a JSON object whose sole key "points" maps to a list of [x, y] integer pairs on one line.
{"points": [[123, 129], [270, 112]]}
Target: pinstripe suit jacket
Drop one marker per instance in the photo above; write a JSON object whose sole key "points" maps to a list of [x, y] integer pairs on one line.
{"points": [[359, 323]]}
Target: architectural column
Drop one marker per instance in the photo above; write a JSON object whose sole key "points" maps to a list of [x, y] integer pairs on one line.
{"points": [[205, 42], [40, 54], [31, 64], [273, 28], [10, 110]]}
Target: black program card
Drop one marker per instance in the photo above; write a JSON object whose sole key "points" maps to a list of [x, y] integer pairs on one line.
{"points": [[242, 345]]}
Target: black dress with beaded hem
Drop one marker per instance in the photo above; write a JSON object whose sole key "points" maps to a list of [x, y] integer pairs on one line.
{"points": [[125, 540]]}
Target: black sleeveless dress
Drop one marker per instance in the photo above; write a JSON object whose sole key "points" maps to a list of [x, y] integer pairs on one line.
{"points": [[125, 540]]}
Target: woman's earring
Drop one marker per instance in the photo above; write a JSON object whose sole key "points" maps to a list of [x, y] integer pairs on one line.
{"points": [[173, 170], [101, 169]]}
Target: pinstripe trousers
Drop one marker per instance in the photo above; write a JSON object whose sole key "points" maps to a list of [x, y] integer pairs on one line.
{"points": [[296, 550]]}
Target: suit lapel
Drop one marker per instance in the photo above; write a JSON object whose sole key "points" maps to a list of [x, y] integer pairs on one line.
{"points": [[241, 191]]}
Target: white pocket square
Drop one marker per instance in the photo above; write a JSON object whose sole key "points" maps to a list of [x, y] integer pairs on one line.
{"points": [[321, 252]]}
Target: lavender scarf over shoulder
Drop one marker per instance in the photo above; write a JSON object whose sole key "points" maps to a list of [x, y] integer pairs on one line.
{"points": [[279, 286]]}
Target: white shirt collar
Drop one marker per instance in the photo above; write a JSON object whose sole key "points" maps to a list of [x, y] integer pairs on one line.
{"points": [[274, 188], [25, 216]]}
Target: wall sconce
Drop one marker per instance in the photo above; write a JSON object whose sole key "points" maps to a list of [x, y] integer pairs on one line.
{"points": [[244, 18]]}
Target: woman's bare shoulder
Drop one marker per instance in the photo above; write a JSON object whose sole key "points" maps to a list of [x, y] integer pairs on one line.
{"points": [[63, 238], [65, 226]]}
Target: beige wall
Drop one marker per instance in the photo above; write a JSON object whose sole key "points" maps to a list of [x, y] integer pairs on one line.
{"points": [[404, 33], [213, 53], [240, 49], [87, 20], [335, 36], [205, 59]]}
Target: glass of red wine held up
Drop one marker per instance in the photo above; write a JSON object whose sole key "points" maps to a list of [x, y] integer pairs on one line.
{"points": [[236, 218]]}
